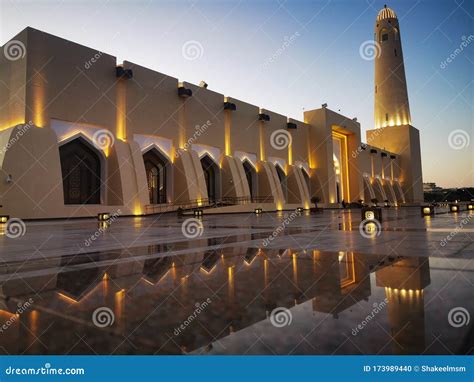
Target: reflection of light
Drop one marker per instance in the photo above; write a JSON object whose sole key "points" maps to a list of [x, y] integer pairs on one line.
{"points": [[34, 321], [119, 302], [295, 267], [69, 299], [210, 270]]}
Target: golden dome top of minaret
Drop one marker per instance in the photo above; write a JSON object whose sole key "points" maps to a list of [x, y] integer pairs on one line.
{"points": [[386, 13]]}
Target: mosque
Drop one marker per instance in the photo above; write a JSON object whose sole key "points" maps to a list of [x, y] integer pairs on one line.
{"points": [[81, 134]]}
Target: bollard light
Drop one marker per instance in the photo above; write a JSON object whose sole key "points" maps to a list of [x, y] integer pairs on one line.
{"points": [[371, 213], [4, 219], [427, 211], [454, 208], [103, 216]]}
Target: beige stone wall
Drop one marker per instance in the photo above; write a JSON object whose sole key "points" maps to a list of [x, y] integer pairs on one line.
{"points": [[76, 88]]}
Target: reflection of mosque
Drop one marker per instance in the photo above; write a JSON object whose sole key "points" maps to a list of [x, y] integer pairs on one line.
{"points": [[244, 284]]}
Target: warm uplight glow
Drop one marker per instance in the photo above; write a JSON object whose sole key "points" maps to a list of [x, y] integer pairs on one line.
{"points": [[137, 210], [261, 131], [345, 163], [12, 123], [121, 113], [227, 125], [290, 153], [38, 90]]}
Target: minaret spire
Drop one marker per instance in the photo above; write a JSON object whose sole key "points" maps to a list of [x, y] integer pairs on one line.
{"points": [[391, 96]]}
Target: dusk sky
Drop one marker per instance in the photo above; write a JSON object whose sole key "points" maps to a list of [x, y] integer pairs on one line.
{"points": [[289, 56]]}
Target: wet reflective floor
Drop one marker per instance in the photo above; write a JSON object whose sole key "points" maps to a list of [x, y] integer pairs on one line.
{"points": [[226, 292]]}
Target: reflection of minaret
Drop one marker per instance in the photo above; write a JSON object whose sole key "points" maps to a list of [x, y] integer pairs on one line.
{"points": [[404, 282], [391, 96]]}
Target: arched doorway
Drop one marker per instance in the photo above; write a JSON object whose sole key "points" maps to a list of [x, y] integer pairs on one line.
{"points": [[282, 177], [156, 168], [81, 172], [251, 176], [211, 172]]}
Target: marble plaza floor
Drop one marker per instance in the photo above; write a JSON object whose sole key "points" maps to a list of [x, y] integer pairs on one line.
{"points": [[240, 284]]}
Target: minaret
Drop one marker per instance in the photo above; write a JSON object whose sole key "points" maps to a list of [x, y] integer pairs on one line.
{"points": [[393, 129], [391, 96]]}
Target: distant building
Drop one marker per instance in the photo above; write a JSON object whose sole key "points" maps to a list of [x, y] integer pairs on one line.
{"points": [[431, 187]]}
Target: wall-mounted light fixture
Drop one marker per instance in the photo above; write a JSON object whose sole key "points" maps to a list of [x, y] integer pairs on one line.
{"points": [[198, 213], [263, 117], [373, 151], [120, 72], [258, 211], [291, 125], [383, 155], [4, 219], [230, 106], [203, 84], [324, 105], [184, 93], [470, 206], [393, 157]]}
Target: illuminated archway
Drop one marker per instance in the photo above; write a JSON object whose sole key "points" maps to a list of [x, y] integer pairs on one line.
{"points": [[157, 168], [81, 168]]}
